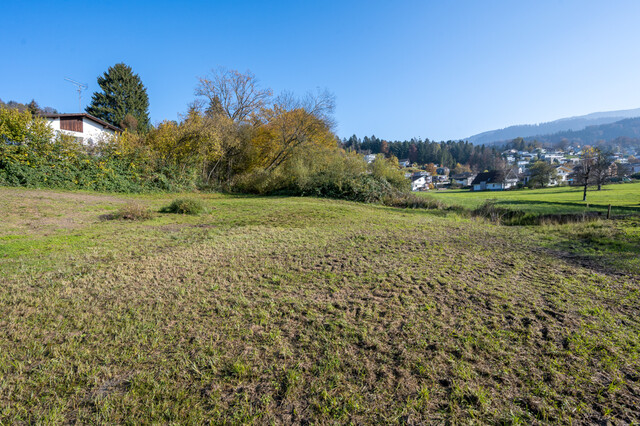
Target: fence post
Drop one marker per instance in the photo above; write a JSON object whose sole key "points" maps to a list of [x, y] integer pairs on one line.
{"points": [[609, 212]]}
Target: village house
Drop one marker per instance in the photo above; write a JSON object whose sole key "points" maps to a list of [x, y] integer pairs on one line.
{"points": [[463, 179], [84, 127], [564, 174], [370, 158], [495, 180], [553, 156], [419, 180], [419, 183]]}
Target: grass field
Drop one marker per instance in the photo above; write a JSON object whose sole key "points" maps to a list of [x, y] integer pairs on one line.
{"points": [[624, 198], [301, 310]]}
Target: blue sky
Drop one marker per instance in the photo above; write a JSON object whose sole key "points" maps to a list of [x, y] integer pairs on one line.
{"points": [[398, 69]]}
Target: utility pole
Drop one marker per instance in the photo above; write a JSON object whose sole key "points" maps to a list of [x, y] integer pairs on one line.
{"points": [[81, 87]]}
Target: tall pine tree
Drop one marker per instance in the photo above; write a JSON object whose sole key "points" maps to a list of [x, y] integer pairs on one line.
{"points": [[123, 101]]}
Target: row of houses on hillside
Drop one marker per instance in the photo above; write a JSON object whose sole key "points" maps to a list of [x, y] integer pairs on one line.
{"points": [[500, 180]]}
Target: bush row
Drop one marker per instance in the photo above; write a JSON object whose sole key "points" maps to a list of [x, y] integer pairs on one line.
{"points": [[64, 163]]}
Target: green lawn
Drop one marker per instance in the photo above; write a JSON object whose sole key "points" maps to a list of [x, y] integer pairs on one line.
{"points": [[625, 198], [302, 310]]}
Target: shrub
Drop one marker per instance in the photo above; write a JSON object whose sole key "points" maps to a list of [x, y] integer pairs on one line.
{"points": [[505, 216], [387, 169], [131, 211], [31, 156], [184, 206], [333, 174], [411, 201], [496, 214]]}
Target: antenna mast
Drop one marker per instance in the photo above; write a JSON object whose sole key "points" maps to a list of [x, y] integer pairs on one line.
{"points": [[81, 87]]}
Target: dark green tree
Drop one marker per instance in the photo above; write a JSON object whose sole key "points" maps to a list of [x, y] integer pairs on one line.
{"points": [[33, 107], [542, 173], [123, 99]]}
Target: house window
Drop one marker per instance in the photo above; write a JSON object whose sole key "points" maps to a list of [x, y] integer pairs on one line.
{"points": [[71, 123]]}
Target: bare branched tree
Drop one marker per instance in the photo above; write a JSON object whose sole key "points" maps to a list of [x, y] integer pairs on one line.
{"points": [[583, 171], [320, 105], [232, 93], [602, 167]]}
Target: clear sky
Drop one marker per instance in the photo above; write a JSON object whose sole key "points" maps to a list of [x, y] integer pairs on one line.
{"points": [[399, 69]]}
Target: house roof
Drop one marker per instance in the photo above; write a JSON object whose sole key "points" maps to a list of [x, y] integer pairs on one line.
{"points": [[85, 115], [565, 168], [494, 176], [464, 175]]}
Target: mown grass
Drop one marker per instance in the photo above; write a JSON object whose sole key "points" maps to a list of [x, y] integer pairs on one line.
{"points": [[625, 199], [293, 310]]}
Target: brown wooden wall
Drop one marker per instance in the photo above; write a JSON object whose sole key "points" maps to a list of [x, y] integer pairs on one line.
{"points": [[71, 123]]}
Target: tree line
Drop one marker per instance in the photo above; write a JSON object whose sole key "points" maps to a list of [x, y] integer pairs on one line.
{"points": [[32, 107], [448, 154]]}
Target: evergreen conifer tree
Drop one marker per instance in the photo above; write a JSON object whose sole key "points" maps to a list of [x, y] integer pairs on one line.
{"points": [[123, 94]]}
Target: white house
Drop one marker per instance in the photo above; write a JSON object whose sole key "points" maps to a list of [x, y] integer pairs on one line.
{"points": [[563, 174], [463, 179], [84, 127], [418, 183], [495, 180], [370, 158], [553, 156]]}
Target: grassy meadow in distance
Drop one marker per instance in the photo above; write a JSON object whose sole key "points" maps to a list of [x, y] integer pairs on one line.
{"points": [[304, 310], [624, 198]]}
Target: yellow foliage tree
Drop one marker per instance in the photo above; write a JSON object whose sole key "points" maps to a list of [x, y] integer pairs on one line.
{"points": [[291, 124]]}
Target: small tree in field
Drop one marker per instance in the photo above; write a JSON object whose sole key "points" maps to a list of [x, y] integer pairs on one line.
{"points": [[583, 171], [602, 169]]}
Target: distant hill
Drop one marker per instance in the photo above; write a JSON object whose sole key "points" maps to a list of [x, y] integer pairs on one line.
{"points": [[574, 124], [623, 132]]}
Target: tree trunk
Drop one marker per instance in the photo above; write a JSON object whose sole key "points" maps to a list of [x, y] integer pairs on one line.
{"points": [[584, 196]]}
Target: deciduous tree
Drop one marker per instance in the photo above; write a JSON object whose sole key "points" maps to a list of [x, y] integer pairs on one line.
{"points": [[542, 173], [293, 122], [236, 95], [583, 170], [602, 169]]}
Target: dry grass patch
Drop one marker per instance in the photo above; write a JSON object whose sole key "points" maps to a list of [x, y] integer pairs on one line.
{"points": [[130, 211]]}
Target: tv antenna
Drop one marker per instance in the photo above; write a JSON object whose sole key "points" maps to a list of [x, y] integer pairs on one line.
{"points": [[81, 87]]}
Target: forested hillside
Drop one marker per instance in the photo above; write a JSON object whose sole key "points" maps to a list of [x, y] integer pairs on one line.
{"points": [[552, 127], [624, 132], [449, 153]]}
